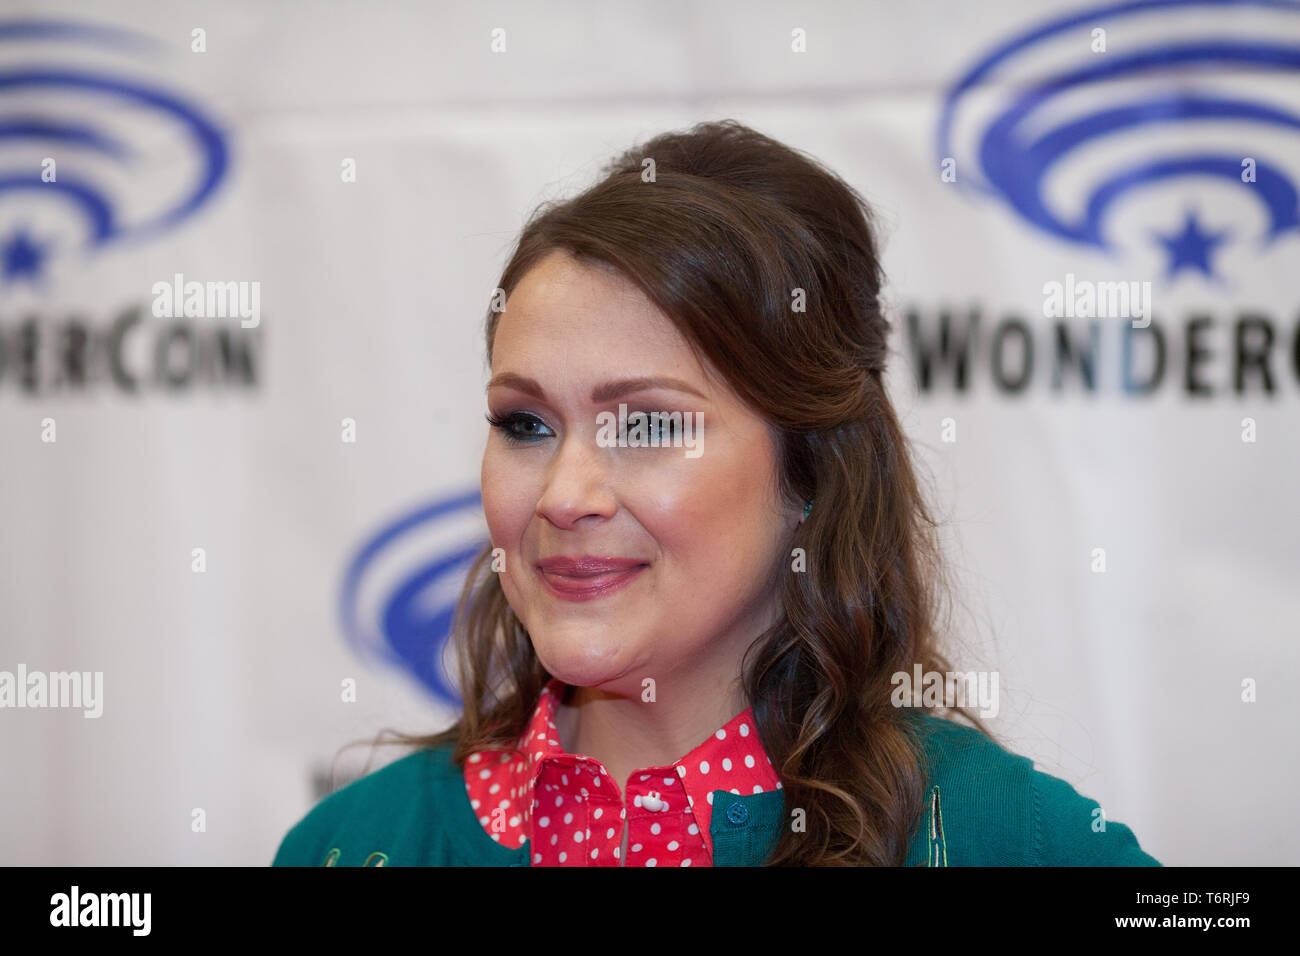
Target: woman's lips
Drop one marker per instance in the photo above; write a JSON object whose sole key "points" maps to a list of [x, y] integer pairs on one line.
{"points": [[587, 578]]}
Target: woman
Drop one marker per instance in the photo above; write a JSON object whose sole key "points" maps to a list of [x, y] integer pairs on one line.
{"points": [[709, 562]]}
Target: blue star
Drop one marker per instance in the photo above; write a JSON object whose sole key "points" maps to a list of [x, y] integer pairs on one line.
{"points": [[22, 256], [1191, 249]]}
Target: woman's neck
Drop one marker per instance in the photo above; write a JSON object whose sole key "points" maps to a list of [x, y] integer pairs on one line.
{"points": [[628, 733]]}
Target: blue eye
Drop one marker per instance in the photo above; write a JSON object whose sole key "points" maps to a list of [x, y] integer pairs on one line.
{"points": [[520, 427], [665, 428], [662, 433]]}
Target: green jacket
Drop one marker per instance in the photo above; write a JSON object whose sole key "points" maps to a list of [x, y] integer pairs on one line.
{"points": [[984, 807]]}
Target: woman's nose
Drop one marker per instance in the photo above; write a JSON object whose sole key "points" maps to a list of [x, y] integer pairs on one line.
{"points": [[577, 482]]}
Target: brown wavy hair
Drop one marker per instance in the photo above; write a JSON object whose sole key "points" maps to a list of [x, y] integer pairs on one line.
{"points": [[721, 231]]}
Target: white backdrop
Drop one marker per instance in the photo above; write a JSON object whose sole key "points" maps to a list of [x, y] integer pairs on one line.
{"points": [[222, 688]]}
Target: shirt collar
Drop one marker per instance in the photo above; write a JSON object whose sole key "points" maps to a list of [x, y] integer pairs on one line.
{"points": [[733, 754]]}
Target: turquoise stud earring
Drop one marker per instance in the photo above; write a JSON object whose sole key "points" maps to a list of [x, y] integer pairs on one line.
{"points": [[807, 508]]}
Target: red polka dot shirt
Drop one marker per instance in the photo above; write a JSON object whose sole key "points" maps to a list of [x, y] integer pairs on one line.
{"points": [[572, 811]]}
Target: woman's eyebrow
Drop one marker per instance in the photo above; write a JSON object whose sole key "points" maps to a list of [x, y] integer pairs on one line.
{"points": [[608, 391], [604, 392]]}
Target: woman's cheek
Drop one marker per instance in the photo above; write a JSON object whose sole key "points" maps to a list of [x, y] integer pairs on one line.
{"points": [[507, 506], [685, 512]]}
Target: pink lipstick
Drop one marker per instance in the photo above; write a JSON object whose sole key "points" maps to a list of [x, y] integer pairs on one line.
{"points": [[585, 577]]}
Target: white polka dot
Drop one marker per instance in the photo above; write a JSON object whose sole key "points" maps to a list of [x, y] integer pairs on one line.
{"points": [[494, 788], [497, 837], [522, 839], [749, 760], [650, 862], [735, 791], [597, 813], [654, 828], [564, 779], [568, 818], [673, 845], [669, 781], [710, 798], [616, 853], [693, 829], [474, 804], [475, 758], [537, 858], [559, 801], [686, 862], [563, 856], [593, 854], [721, 734], [577, 836], [645, 777], [704, 766], [744, 730], [636, 801], [726, 763], [635, 848], [555, 838], [681, 771], [514, 821], [484, 774], [757, 788], [609, 834], [483, 820]]}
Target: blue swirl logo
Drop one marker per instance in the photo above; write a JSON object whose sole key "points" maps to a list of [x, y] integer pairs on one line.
{"points": [[90, 122], [1184, 73], [400, 590]]}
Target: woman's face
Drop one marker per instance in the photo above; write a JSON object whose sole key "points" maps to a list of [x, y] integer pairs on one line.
{"points": [[626, 563]]}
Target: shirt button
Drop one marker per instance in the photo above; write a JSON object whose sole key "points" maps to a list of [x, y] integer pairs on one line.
{"points": [[737, 813], [652, 802]]}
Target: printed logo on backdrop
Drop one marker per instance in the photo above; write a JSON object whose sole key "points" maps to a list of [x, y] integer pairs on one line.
{"points": [[1156, 146], [101, 157], [400, 590]]}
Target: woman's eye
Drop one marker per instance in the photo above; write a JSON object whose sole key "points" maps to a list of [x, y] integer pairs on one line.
{"points": [[520, 427], [662, 432]]}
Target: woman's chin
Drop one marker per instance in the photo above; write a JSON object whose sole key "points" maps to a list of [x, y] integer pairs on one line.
{"points": [[583, 661]]}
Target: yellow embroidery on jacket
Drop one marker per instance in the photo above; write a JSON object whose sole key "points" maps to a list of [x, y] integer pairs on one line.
{"points": [[374, 859], [938, 846]]}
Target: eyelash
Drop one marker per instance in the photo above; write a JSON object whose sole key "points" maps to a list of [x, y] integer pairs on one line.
{"points": [[507, 423]]}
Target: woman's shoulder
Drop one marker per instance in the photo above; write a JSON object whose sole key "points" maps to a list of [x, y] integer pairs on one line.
{"points": [[988, 806], [397, 815]]}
